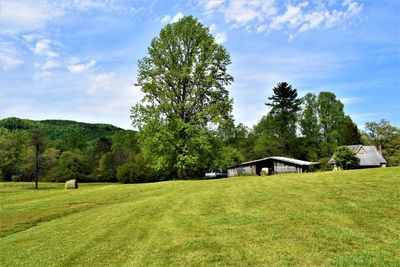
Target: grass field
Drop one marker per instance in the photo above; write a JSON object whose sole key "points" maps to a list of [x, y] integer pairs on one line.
{"points": [[341, 218]]}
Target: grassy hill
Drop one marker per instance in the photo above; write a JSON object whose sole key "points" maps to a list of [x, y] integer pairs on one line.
{"points": [[327, 218]]}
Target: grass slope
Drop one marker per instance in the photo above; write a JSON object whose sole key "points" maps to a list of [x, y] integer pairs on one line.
{"points": [[328, 218]]}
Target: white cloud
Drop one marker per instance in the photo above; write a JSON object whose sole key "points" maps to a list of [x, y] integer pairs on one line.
{"points": [[177, 17], [102, 82], [352, 100], [43, 47], [49, 64], [169, 19], [166, 19], [9, 57], [291, 18], [210, 5], [26, 15], [261, 28], [270, 15], [220, 37], [31, 37], [19, 16], [44, 75], [313, 20], [240, 12], [101, 5], [74, 65]]}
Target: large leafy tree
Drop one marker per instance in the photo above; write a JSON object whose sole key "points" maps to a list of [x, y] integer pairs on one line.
{"points": [[310, 128], [183, 79], [331, 118], [285, 106], [380, 133], [386, 137]]}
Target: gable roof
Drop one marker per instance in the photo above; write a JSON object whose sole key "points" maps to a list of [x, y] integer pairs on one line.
{"points": [[371, 157]]}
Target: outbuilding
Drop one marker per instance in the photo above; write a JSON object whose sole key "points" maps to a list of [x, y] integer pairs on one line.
{"points": [[274, 164], [369, 157]]}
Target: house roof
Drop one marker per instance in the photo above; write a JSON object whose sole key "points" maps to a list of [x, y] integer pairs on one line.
{"points": [[284, 159], [371, 157]]}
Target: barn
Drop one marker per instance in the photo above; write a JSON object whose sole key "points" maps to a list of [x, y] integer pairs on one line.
{"points": [[274, 164]]}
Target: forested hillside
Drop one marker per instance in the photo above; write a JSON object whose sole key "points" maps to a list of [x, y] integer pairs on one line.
{"points": [[69, 149], [61, 129]]}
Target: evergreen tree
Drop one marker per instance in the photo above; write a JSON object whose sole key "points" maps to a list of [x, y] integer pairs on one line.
{"points": [[349, 133], [285, 106]]}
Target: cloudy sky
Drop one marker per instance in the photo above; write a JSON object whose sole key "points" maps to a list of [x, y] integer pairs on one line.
{"points": [[77, 59]]}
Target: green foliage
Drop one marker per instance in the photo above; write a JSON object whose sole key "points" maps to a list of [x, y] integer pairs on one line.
{"points": [[15, 149], [226, 156], [38, 141], [386, 137], [275, 134], [183, 79], [266, 142], [380, 132], [285, 106], [391, 151], [331, 116], [71, 165], [345, 158], [107, 171], [310, 128], [99, 144], [324, 164], [63, 134], [134, 171], [349, 133]]}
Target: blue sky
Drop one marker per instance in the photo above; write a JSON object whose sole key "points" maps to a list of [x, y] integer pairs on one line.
{"points": [[77, 60]]}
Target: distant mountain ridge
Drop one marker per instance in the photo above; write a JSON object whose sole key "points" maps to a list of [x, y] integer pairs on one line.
{"points": [[56, 129]]}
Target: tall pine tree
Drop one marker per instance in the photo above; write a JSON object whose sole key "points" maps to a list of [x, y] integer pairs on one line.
{"points": [[285, 106]]}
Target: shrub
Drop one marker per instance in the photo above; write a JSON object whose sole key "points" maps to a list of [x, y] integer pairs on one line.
{"points": [[15, 178], [345, 157], [324, 165]]}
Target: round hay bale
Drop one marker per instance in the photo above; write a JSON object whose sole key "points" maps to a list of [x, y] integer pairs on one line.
{"points": [[71, 184], [264, 172]]}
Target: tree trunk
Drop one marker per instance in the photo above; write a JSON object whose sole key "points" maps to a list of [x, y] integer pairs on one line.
{"points": [[36, 166]]}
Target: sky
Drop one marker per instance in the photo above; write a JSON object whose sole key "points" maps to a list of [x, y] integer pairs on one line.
{"points": [[77, 59]]}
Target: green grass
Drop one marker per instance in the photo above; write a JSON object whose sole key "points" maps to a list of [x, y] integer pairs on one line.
{"points": [[346, 218]]}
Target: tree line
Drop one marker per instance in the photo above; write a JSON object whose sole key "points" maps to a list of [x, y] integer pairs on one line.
{"points": [[60, 150]]}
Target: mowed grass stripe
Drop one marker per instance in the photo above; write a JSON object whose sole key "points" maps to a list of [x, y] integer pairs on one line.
{"points": [[331, 218]]}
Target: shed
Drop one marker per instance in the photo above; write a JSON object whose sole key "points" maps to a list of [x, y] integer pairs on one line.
{"points": [[274, 164], [368, 155]]}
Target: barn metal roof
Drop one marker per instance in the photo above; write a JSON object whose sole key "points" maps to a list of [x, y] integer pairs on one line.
{"points": [[284, 159]]}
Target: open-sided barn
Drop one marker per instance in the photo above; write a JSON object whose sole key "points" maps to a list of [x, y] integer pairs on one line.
{"points": [[274, 165]]}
